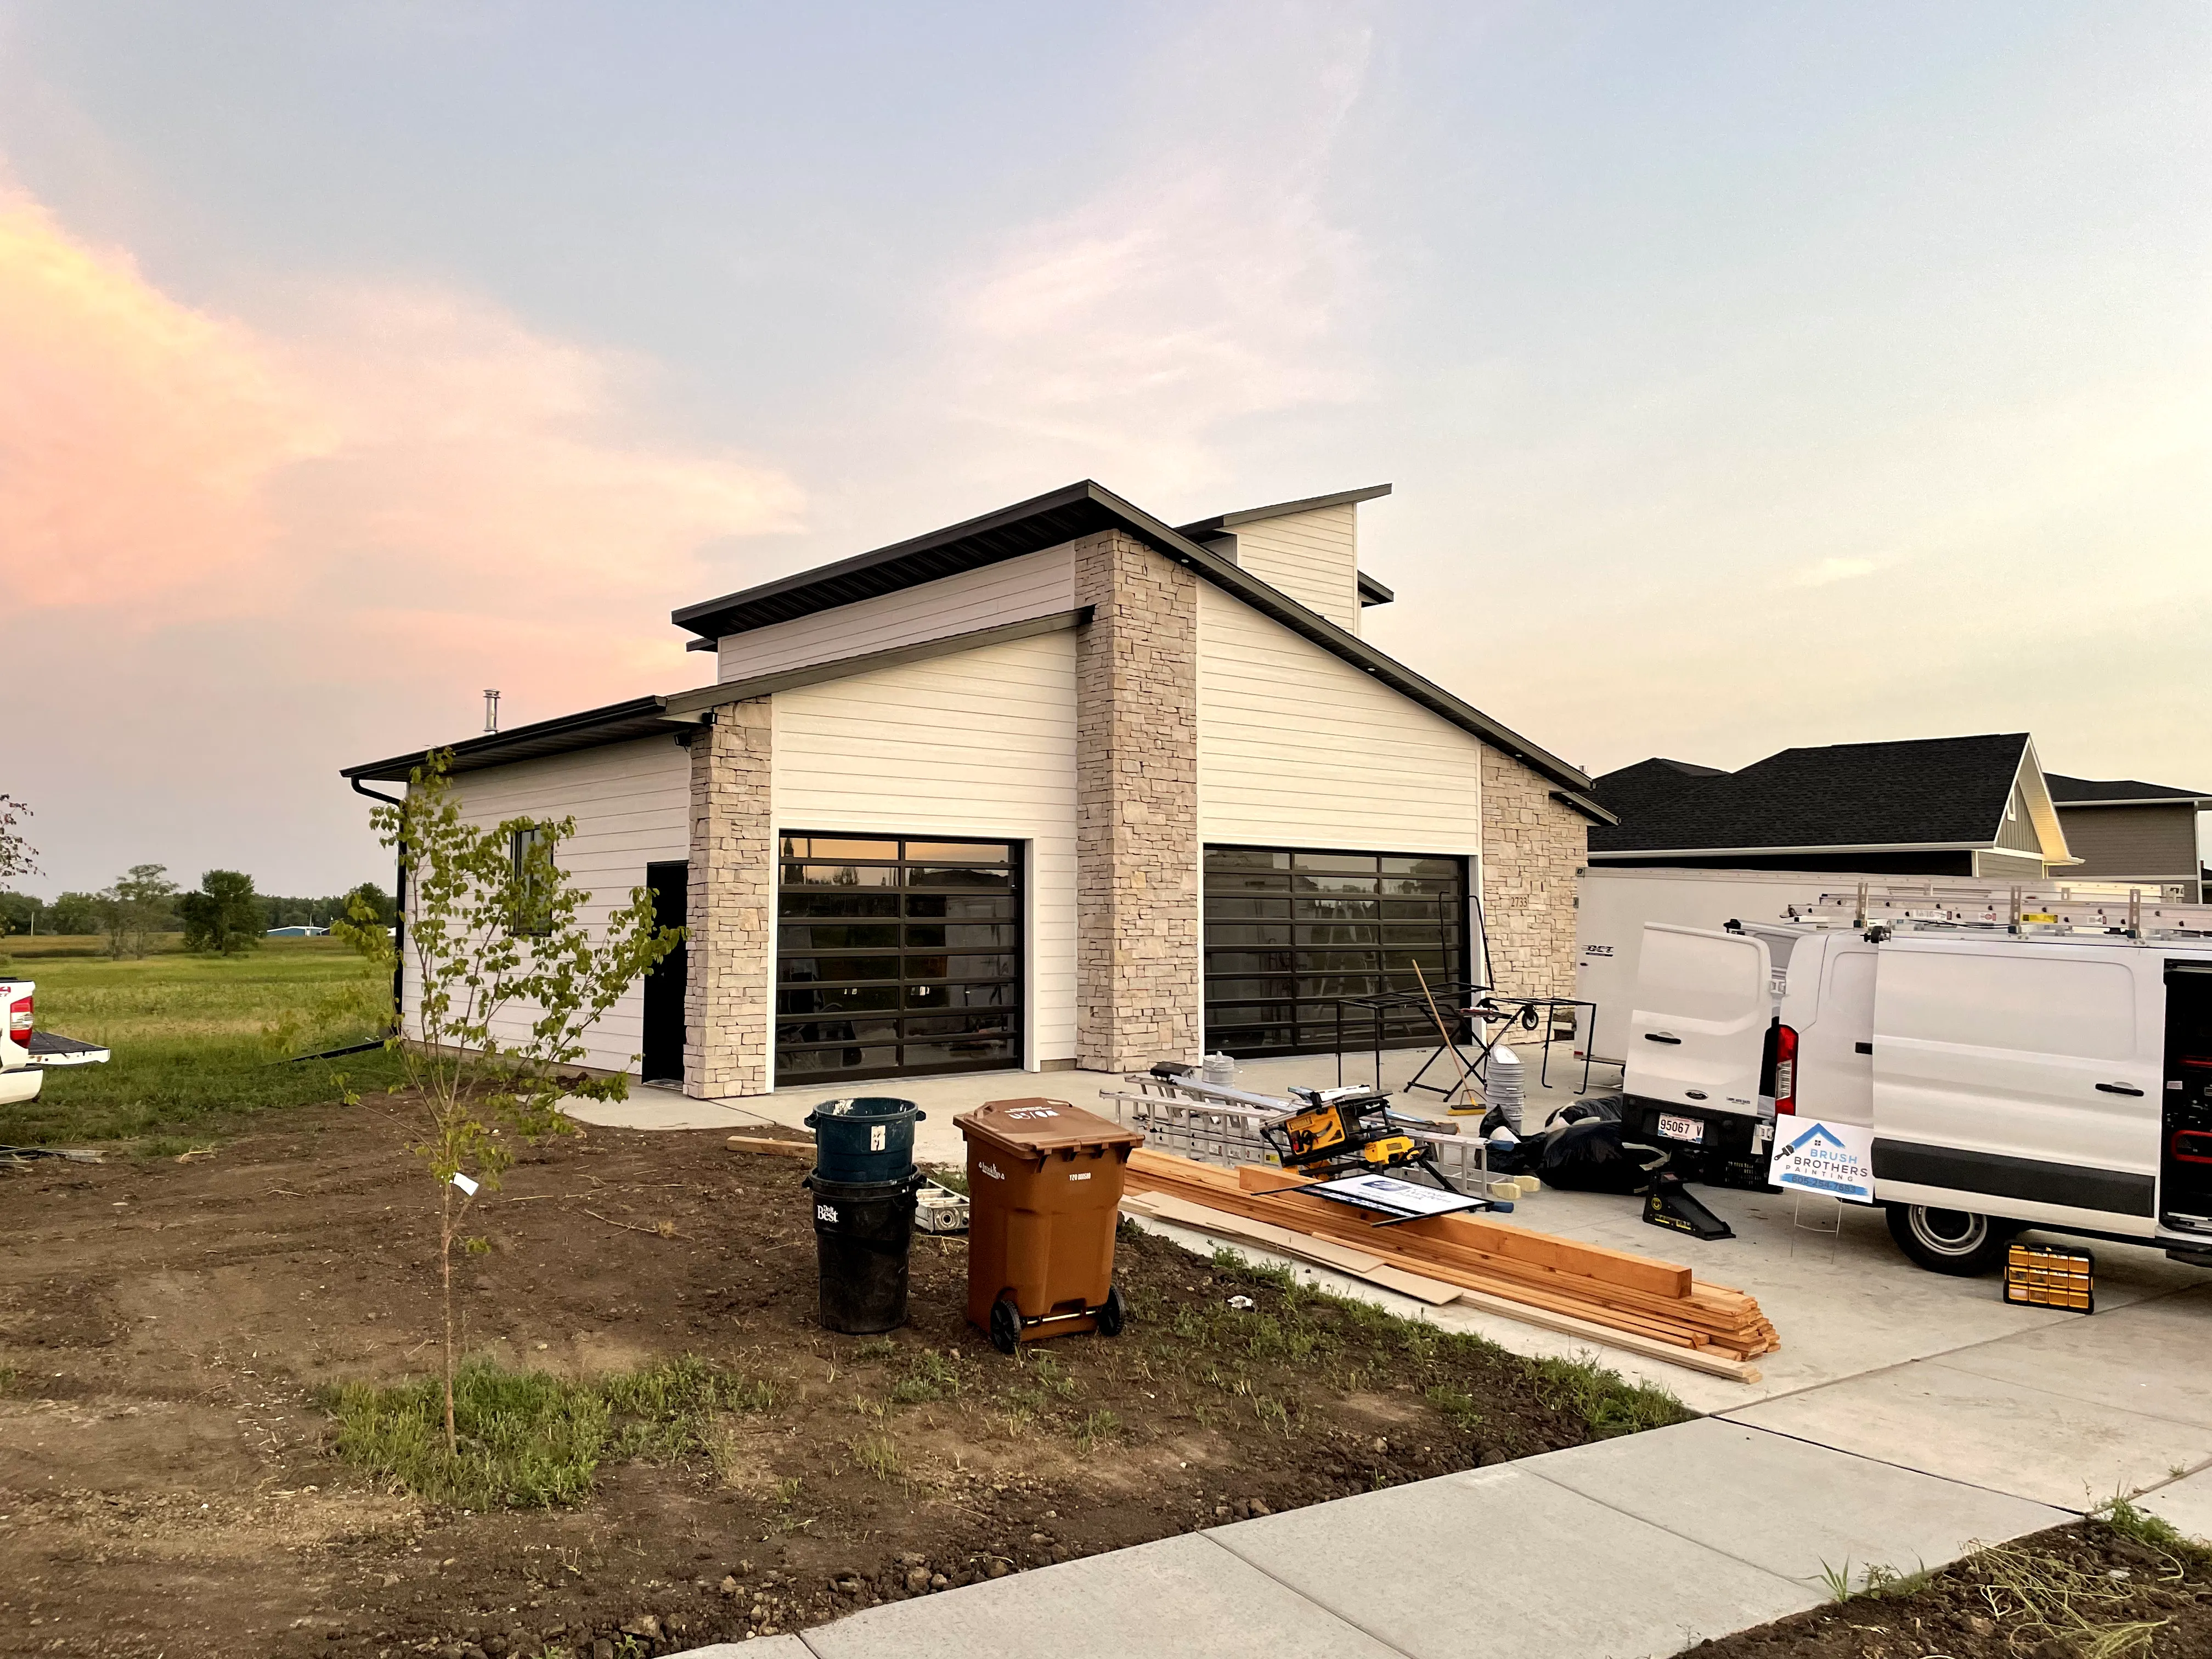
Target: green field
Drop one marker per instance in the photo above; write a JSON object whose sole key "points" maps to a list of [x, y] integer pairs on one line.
{"points": [[198, 1041]]}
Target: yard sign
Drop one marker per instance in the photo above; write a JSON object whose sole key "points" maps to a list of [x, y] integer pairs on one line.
{"points": [[1813, 1157]]}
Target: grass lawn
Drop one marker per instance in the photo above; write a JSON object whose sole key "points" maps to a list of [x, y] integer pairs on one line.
{"points": [[196, 1040]]}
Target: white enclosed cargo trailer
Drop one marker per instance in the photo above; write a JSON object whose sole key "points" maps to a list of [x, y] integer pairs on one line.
{"points": [[2027, 1076]]}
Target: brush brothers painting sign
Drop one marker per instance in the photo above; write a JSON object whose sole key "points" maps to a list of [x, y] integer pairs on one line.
{"points": [[1813, 1156]]}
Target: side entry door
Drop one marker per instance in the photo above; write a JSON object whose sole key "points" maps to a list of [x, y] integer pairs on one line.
{"points": [[1698, 1033], [662, 1061], [2019, 1079]]}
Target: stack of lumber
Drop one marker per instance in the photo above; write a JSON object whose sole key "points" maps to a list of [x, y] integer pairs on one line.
{"points": [[1656, 1309]]}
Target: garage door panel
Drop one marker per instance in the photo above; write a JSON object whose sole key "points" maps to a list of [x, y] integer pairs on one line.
{"points": [[1356, 924], [896, 956]]}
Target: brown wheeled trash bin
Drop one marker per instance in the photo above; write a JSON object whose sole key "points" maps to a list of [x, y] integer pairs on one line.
{"points": [[1044, 1191]]}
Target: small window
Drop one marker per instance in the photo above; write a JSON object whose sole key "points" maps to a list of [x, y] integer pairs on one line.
{"points": [[534, 914]]}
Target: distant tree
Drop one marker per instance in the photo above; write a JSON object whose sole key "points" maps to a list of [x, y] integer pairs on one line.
{"points": [[22, 914], [17, 856], [375, 900], [507, 980], [74, 913], [224, 917], [141, 905]]}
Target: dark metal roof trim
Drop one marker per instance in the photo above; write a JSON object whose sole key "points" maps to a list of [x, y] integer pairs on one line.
{"points": [[646, 717], [1583, 804], [640, 717], [1283, 509], [2067, 790], [1372, 591], [1082, 509], [1031, 527]]}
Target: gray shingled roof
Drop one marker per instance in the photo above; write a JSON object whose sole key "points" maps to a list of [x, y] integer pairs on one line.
{"points": [[2067, 790], [1943, 791], [1633, 791]]}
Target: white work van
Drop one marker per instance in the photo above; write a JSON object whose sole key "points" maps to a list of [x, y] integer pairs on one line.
{"points": [[2010, 1080], [1612, 906]]}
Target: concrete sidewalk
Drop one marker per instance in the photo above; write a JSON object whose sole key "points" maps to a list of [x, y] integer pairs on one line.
{"points": [[1612, 1551]]}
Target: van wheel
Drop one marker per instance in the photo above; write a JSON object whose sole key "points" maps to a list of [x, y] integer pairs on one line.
{"points": [[1957, 1242]]}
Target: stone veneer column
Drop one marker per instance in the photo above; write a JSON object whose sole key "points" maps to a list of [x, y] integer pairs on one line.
{"points": [[1137, 964], [1532, 847], [731, 910]]}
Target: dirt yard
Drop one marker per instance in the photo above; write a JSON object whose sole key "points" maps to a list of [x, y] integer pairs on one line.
{"points": [[2091, 1591], [168, 1484]]}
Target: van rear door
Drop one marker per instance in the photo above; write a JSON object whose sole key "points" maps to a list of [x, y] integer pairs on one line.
{"points": [[2019, 1079], [1704, 1001]]}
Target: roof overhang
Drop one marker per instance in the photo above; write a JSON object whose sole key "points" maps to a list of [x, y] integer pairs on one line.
{"points": [[654, 716], [1774, 852], [1283, 510], [1031, 527], [1583, 804], [1372, 591], [1082, 509], [2197, 801]]}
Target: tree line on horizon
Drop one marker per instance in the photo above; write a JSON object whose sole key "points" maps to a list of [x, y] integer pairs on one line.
{"points": [[223, 916]]}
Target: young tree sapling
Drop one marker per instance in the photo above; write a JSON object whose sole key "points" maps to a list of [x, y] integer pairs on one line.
{"points": [[507, 980]]}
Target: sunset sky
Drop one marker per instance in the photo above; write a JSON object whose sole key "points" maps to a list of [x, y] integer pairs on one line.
{"points": [[1749, 375]]}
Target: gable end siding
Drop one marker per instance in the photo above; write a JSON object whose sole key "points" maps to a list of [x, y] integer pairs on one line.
{"points": [[1312, 556], [1298, 747], [632, 803], [1041, 584]]}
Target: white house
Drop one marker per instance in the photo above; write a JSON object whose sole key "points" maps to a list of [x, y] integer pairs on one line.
{"points": [[1061, 786]]}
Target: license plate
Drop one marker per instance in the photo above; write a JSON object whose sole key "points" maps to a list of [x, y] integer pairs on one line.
{"points": [[1680, 1128]]}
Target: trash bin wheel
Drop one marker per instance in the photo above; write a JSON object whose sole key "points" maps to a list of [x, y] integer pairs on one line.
{"points": [[1112, 1312], [1005, 1323]]}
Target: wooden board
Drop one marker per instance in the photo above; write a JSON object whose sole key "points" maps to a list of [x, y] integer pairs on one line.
{"points": [[1712, 1321], [1619, 1268]]}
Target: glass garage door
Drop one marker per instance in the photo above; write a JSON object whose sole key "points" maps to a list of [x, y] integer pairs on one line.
{"points": [[895, 956], [1287, 932]]}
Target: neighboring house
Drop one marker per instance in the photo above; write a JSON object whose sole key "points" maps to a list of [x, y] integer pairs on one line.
{"points": [[1937, 806], [2123, 831], [1059, 786], [298, 930]]}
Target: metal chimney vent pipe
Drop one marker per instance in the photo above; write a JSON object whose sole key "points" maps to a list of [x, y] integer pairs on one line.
{"points": [[491, 711]]}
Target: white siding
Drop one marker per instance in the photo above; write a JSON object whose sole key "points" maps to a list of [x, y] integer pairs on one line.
{"points": [[1039, 584], [632, 803], [980, 743], [1298, 747], [1312, 556]]}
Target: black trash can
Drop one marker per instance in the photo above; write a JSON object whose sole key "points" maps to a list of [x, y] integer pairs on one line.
{"points": [[862, 1231], [864, 1138]]}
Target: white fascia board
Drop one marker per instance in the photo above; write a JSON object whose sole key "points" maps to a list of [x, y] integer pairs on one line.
{"points": [[1769, 852]]}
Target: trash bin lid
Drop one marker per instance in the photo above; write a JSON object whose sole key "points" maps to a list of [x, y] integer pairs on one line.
{"points": [[866, 1106], [1037, 1127]]}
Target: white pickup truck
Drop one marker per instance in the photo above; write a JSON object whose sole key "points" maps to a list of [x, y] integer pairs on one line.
{"points": [[26, 1052], [2010, 1079]]}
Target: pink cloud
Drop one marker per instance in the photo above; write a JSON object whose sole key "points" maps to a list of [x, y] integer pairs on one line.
{"points": [[317, 542]]}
